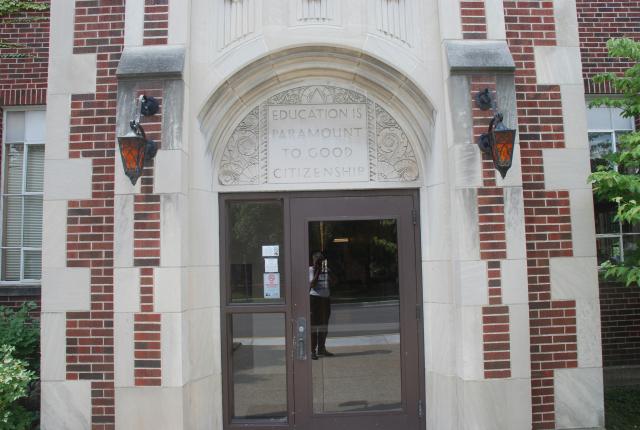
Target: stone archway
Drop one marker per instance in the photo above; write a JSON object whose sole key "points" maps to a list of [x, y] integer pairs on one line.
{"points": [[399, 118]]}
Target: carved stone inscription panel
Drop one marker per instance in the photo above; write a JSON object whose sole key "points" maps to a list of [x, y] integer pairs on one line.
{"points": [[317, 134], [317, 143]]}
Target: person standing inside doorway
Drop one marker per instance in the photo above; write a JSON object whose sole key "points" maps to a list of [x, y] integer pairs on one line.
{"points": [[320, 304]]}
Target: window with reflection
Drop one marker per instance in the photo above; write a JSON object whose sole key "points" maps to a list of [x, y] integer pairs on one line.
{"points": [[354, 302], [613, 238], [255, 251]]}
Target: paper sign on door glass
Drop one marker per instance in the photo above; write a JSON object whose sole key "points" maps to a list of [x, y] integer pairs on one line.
{"points": [[270, 250], [271, 285], [270, 265]]}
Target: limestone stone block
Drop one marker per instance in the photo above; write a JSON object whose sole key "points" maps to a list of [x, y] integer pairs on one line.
{"points": [[449, 17], [173, 230], [123, 230], [469, 346], [203, 290], [170, 289], [204, 342], [439, 321], [566, 18], [460, 105], [149, 408], [66, 289], [514, 282], [494, 11], [203, 405], [514, 222], [54, 233], [123, 354], [436, 279], [558, 174], [66, 405], [204, 231], [73, 74], [496, 404], [468, 165], [471, 283], [179, 28], [134, 18], [53, 347], [172, 349], [589, 333], [126, 289], [171, 172], [579, 398], [57, 123], [583, 230], [67, 179], [574, 114], [519, 336], [441, 402], [574, 278], [558, 65], [466, 237]]}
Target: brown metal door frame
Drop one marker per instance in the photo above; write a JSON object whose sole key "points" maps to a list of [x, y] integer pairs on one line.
{"points": [[300, 416]]}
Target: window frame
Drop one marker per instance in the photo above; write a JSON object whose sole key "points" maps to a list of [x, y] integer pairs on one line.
{"points": [[5, 111], [619, 235]]}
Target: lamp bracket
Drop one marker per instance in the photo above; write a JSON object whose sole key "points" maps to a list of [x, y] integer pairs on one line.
{"points": [[148, 105], [484, 100], [484, 143]]}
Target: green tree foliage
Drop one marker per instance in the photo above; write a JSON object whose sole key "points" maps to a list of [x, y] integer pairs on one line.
{"points": [[618, 181], [22, 332], [14, 383], [8, 7]]}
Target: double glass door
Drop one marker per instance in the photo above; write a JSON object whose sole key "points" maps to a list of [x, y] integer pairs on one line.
{"points": [[320, 311]]}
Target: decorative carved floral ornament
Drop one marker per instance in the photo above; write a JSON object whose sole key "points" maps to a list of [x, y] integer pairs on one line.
{"points": [[386, 147]]}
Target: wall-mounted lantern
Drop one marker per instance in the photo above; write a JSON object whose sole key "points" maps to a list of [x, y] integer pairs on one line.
{"points": [[499, 141], [135, 149]]}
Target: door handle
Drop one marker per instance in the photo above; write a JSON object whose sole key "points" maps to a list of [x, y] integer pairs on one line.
{"points": [[301, 338]]}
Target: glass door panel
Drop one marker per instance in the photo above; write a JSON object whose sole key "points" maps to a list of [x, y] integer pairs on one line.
{"points": [[256, 251], [259, 366], [354, 291], [354, 315]]}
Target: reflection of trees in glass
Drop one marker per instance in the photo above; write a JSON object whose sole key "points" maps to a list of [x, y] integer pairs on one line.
{"points": [[252, 225], [365, 266]]}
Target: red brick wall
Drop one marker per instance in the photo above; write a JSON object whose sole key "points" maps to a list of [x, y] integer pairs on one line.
{"points": [[620, 317], [599, 21], [474, 21], [547, 217], [23, 81], [156, 22]]}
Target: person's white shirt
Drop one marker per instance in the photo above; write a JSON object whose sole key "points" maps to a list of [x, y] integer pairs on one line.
{"points": [[321, 288]]}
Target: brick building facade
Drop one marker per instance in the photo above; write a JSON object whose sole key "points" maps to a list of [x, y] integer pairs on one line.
{"points": [[140, 324]]}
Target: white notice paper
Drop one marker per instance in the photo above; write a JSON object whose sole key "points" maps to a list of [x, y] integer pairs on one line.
{"points": [[270, 250], [271, 285], [271, 265]]}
